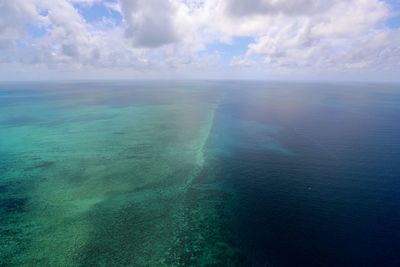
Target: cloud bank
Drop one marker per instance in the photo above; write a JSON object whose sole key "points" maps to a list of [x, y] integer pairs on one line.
{"points": [[182, 37]]}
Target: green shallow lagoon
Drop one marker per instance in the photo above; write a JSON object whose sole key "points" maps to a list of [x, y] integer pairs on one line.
{"points": [[100, 176]]}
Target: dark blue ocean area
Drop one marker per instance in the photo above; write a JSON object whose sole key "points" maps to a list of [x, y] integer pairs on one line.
{"points": [[199, 173]]}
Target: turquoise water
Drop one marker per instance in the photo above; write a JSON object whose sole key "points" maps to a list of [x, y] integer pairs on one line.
{"points": [[199, 174], [94, 174]]}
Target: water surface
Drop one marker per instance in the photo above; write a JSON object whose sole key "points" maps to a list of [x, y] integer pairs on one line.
{"points": [[199, 174]]}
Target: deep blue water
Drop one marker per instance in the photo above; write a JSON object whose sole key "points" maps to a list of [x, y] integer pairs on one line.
{"points": [[333, 199], [294, 174]]}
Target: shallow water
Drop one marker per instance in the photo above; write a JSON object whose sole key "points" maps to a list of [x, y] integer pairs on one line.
{"points": [[199, 174]]}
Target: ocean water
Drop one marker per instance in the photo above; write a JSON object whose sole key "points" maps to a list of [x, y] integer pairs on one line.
{"points": [[162, 173]]}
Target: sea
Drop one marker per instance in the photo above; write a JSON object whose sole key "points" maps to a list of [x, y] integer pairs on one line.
{"points": [[199, 173]]}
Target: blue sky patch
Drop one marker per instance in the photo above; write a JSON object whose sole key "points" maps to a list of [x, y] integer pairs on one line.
{"points": [[393, 22], [97, 12], [238, 46], [36, 31]]}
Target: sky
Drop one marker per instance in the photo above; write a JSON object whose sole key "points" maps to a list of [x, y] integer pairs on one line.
{"points": [[200, 39]]}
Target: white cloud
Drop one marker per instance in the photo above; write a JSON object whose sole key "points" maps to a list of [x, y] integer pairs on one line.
{"points": [[149, 22], [14, 14], [261, 7], [173, 35], [316, 35]]}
